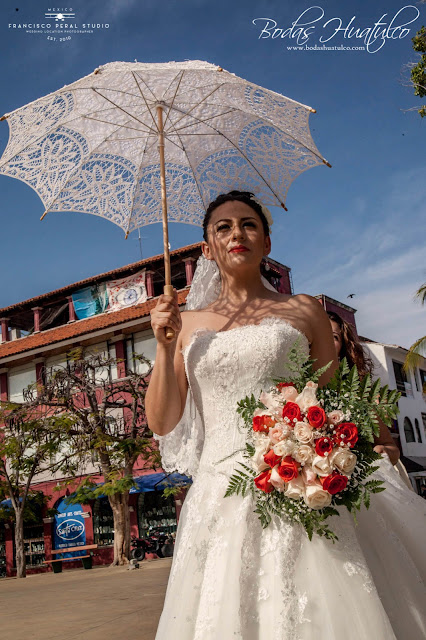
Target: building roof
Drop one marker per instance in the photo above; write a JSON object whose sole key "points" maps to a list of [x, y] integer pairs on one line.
{"points": [[108, 275], [336, 302], [81, 327]]}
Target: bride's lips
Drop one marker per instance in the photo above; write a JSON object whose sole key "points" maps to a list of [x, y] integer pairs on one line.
{"points": [[238, 249]]}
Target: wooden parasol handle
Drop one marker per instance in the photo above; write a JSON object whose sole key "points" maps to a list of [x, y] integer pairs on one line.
{"points": [[168, 289]]}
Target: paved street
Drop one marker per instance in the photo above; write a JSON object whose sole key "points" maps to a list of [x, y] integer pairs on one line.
{"points": [[101, 604]]}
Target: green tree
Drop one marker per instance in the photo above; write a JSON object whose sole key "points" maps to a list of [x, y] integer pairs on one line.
{"points": [[30, 443], [418, 71], [418, 349], [109, 427]]}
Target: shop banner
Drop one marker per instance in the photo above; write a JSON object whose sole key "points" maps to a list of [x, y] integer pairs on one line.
{"points": [[127, 291], [90, 301], [69, 528]]}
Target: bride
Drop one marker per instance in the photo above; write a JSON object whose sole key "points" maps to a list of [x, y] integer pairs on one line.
{"points": [[231, 579]]}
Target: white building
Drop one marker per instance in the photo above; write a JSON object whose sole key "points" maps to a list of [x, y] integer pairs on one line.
{"points": [[388, 361]]}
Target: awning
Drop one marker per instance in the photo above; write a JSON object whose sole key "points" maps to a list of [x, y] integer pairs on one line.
{"points": [[149, 482], [158, 481]]}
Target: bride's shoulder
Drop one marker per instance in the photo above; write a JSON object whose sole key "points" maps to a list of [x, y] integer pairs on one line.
{"points": [[191, 321], [300, 300]]}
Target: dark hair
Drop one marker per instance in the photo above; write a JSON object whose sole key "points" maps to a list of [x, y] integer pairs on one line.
{"points": [[351, 347], [239, 196]]}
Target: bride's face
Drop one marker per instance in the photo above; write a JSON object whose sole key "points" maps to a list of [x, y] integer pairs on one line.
{"points": [[235, 237]]}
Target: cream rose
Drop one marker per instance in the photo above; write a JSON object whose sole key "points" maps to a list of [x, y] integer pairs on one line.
{"points": [[276, 480], [343, 460], [316, 497], [295, 488], [284, 448], [334, 417], [309, 476], [276, 434], [303, 432], [321, 465], [308, 397], [289, 394], [304, 454], [272, 402], [257, 460]]}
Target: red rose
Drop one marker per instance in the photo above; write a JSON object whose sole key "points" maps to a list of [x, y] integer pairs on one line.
{"points": [[346, 433], [323, 446], [263, 423], [262, 482], [334, 483], [292, 411], [288, 469], [271, 458], [316, 417], [281, 385]]}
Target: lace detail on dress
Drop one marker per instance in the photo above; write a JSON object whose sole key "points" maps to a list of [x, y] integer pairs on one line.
{"points": [[233, 580]]}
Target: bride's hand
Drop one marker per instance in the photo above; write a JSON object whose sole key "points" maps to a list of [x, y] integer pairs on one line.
{"points": [[166, 314]]}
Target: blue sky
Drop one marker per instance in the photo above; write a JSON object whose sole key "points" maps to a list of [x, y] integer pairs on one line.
{"points": [[359, 227]]}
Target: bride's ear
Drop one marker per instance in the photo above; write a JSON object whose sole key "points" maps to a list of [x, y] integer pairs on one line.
{"points": [[267, 246], [206, 251]]}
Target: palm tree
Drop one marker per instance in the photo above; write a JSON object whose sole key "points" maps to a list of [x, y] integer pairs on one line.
{"points": [[414, 355]]}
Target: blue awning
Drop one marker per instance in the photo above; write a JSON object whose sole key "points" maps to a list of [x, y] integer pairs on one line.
{"points": [[158, 481], [150, 482]]}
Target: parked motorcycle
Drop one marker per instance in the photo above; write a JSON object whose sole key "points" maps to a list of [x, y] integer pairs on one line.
{"points": [[162, 544]]}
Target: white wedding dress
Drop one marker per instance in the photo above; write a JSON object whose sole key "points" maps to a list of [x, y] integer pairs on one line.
{"points": [[233, 580]]}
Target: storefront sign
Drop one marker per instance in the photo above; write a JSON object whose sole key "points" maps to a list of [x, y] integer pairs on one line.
{"points": [[69, 526]]}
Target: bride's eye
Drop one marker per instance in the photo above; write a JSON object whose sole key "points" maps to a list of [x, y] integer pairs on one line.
{"points": [[222, 227]]}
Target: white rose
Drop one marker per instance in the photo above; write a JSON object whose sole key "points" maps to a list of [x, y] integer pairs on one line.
{"points": [[321, 465], [309, 476], [303, 432], [259, 438], [257, 460], [295, 488], [272, 402], [316, 497], [304, 454], [308, 397], [343, 460], [284, 448], [276, 480]]}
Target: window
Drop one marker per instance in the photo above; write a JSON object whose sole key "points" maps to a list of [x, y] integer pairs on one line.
{"points": [[156, 512], [423, 379], [103, 349], [400, 377], [417, 427], [416, 381], [424, 420], [409, 431], [103, 523], [19, 379], [142, 343]]}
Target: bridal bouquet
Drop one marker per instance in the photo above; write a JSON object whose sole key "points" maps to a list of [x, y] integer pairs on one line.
{"points": [[310, 449]]}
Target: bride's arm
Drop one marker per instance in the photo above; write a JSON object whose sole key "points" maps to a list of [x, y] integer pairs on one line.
{"points": [[166, 394], [322, 344]]}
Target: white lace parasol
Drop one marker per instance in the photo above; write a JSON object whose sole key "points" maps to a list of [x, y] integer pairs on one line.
{"points": [[93, 145]]}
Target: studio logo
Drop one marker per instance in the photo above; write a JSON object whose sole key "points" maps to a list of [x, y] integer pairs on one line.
{"points": [[59, 24], [59, 16], [313, 30]]}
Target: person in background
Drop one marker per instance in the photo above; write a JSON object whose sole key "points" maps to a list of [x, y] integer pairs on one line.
{"points": [[348, 346]]}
